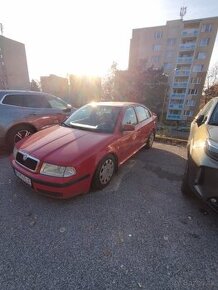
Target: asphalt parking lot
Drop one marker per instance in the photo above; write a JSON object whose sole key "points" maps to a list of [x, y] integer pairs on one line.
{"points": [[138, 233]]}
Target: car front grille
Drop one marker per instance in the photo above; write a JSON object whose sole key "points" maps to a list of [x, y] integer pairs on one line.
{"points": [[27, 161]]}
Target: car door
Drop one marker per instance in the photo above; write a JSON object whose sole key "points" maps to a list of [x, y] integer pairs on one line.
{"points": [[46, 109], [22, 108], [39, 109], [127, 141], [145, 124]]}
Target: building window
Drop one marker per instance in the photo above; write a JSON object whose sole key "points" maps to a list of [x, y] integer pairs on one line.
{"points": [[175, 112], [195, 80], [197, 68], [201, 55], [171, 41], [192, 91], [190, 103], [206, 28], [158, 35], [156, 47], [204, 42], [188, 113]]}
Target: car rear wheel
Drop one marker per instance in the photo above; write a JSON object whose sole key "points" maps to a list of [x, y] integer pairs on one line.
{"points": [[16, 134], [150, 141], [104, 172]]}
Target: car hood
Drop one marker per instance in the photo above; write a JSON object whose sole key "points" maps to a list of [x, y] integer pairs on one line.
{"points": [[61, 145], [213, 132]]}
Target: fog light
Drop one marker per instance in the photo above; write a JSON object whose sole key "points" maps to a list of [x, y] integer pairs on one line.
{"points": [[213, 200]]}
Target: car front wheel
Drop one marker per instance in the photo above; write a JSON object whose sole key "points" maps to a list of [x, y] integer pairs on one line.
{"points": [[16, 134], [104, 172]]}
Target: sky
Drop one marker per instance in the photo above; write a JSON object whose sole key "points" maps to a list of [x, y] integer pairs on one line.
{"points": [[85, 36]]}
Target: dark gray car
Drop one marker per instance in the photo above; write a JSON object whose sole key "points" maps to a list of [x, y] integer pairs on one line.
{"points": [[22, 113]]}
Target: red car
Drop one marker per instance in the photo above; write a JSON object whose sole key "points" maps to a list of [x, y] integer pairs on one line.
{"points": [[85, 150]]}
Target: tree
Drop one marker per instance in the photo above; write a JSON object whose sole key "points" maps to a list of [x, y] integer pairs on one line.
{"points": [[211, 92], [108, 84], [212, 76], [148, 87], [34, 85]]}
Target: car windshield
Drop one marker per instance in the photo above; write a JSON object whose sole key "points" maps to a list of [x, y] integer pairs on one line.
{"points": [[93, 117], [214, 117]]}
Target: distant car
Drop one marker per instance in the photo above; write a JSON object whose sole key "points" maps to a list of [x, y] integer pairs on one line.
{"points": [[201, 173], [86, 150], [22, 113]]}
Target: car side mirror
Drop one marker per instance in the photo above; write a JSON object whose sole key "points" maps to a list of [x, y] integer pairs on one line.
{"points": [[127, 127], [68, 109], [200, 120]]}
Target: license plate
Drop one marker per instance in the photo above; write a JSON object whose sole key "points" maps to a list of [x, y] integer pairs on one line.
{"points": [[24, 178]]}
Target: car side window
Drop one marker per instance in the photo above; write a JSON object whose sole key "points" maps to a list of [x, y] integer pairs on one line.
{"points": [[35, 101], [206, 108], [15, 100], [214, 116], [56, 103], [142, 113], [129, 117]]}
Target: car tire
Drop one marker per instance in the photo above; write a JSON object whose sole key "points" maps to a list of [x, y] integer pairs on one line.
{"points": [[185, 187], [16, 134], [150, 141], [104, 172]]}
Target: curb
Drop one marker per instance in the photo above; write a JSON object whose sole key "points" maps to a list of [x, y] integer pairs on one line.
{"points": [[170, 140]]}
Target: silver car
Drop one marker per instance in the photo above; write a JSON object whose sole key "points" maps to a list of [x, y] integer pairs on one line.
{"points": [[22, 113], [201, 173]]}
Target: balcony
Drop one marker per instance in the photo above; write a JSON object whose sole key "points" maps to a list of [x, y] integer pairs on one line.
{"points": [[184, 60], [176, 106], [177, 96], [187, 46], [173, 117], [190, 33], [180, 84], [182, 73]]}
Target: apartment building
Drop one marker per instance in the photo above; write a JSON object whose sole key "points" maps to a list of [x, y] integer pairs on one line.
{"points": [[13, 65], [183, 49]]}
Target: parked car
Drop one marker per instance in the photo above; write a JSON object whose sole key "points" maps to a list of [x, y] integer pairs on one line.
{"points": [[201, 173], [22, 113], [85, 150]]}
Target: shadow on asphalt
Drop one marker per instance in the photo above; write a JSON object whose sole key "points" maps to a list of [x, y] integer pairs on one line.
{"points": [[158, 161]]}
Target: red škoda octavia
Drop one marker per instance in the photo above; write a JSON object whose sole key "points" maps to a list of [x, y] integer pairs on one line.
{"points": [[85, 150]]}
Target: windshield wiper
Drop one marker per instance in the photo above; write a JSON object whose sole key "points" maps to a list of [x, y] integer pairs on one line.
{"points": [[66, 125]]}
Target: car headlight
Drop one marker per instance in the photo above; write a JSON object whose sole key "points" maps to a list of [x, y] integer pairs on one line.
{"points": [[15, 152], [56, 170], [211, 148]]}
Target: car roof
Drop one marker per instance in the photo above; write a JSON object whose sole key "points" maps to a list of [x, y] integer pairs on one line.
{"points": [[116, 104], [23, 92]]}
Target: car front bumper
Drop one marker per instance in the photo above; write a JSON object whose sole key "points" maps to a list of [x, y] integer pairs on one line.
{"points": [[204, 182], [53, 187]]}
